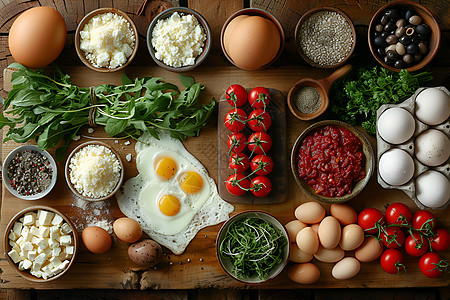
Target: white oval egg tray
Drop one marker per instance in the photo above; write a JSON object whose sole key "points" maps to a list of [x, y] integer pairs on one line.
{"points": [[419, 168]]}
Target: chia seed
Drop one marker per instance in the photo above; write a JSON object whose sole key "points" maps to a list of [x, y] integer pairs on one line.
{"points": [[30, 173], [307, 99]]}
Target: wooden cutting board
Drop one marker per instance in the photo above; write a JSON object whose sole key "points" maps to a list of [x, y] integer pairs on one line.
{"points": [[198, 267]]}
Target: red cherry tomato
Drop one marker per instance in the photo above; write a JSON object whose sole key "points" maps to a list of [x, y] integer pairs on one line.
{"points": [[259, 97], [237, 184], [259, 142], [423, 221], [262, 163], [441, 240], [235, 120], [369, 219], [432, 265], [260, 186], [236, 95], [416, 244], [392, 261], [398, 213], [239, 162], [236, 142], [392, 237], [259, 120]]}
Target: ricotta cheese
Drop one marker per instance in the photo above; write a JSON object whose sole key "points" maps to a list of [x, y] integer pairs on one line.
{"points": [[107, 40], [178, 40]]}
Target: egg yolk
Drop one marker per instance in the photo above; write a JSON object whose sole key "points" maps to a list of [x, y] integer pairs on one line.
{"points": [[191, 182], [165, 167], [169, 205]]}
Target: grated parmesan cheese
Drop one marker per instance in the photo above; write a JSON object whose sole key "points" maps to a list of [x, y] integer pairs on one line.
{"points": [[94, 171]]}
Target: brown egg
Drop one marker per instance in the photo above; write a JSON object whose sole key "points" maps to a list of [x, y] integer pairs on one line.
{"points": [[329, 255], [307, 240], [253, 43], [352, 237], [369, 250], [37, 37], [128, 230], [229, 29], [310, 212], [307, 273], [293, 228], [344, 213], [297, 255], [145, 253], [329, 232], [315, 227], [96, 239], [346, 268]]}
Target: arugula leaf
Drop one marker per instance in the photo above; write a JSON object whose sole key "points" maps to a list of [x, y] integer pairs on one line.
{"points": [[186, 81]]}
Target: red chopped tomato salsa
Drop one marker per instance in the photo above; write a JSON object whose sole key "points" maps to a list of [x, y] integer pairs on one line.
{"points": [[331, 161]]}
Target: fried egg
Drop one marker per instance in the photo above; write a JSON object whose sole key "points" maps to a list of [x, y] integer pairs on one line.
{"points": [[173, 196]]}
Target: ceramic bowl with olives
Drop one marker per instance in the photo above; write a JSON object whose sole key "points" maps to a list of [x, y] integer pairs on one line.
{"points": [[403, 35]]}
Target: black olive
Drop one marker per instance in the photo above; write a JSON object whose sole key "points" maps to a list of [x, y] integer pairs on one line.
{"points": [[392, 55], [423, 49], [415, 39], [407, 58], [399, 64], [423, 38], [415, 20], [405, 40], [384, 34], [412, 49], [379, 41], [389, 26], [380, 51], [423, 29], [392, 13], [379, 28], [400, 32], [384, 20], [388, 61], [409, 13], [417, 57], [400, 23], [392, 39]]}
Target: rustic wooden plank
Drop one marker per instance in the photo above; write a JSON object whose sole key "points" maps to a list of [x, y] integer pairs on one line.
{"points": [[375, 294], [11, 11], [285, 294]]}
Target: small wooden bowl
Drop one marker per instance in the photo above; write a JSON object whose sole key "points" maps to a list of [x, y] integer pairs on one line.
{"points": [[67, 171], [253, 12], [359, 186], [427, 17], [227, 264], [26, 273], [86, 19], [305, 17], [182, 11]]}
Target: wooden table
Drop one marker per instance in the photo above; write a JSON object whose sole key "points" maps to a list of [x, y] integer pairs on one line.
{"points": [[198, 266]]}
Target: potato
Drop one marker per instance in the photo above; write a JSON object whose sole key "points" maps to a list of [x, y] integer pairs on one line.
{"points": [[145, 253]]}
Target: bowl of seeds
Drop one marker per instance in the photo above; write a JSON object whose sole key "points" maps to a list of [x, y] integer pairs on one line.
{"points": [[29, 173], [325, 37]]}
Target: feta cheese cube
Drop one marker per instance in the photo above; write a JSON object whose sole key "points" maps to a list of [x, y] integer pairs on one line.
{"points": [[31, 255], [69, 250], [55, 261], [44, 231], [36, 273], [54, 234], [52, 243], [56, 251], [27, 246], [40, 259], [29, 219], [27, 264], [65, 228], [13, 236], [21, 268], [23, 254], [20, 240], [17, 228], [25, 230], [65, 240], [14, 256], [45, 217], [34, 230], [42, 243], [35, 240], [57, 220], [14, 246]]}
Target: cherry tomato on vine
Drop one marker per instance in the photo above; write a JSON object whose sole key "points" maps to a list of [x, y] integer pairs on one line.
{"points": [[262, 163], [392, 237], [432, 265], [369, 219], [423, 221], [236, 95], [236, 142], [440, 240], [398, 213], [259, 142], [259, 120], [235, 119], [260, 186], [416, 244], [239, 162], [237, 184], [392, 261], [259, 97]]}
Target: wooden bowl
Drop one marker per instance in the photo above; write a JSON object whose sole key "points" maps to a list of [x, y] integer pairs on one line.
{"points": [[227, 264], [253, 12], [85, 20], [182, 11], [427, 17], [366, 148], [67, 171], [7, 181], [25, 273], [305, 17]]}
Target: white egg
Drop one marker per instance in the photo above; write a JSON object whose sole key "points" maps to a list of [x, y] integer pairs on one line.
{"points": [[432, 106], [432, 189], [396, 125], [396, 167], [432, 147]]}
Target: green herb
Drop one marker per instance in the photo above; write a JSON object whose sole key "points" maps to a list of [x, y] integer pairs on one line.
{"points": [[50, 108], [254, 246], [356, 101]]}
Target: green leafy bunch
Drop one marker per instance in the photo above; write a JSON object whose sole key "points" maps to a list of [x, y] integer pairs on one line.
{"points": [[50, 108]]}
